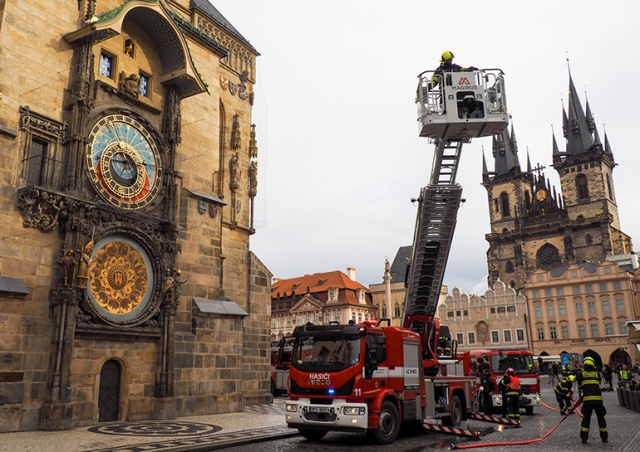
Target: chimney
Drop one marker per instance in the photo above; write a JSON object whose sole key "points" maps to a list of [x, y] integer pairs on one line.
{"points": [[351, 272]]}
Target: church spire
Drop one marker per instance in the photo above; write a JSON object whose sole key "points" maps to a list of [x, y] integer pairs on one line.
{"points": [[578, 135], [505, 152]]}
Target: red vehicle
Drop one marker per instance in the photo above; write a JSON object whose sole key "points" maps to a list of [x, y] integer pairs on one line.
{"points": [[498, 361], [375, 378]]}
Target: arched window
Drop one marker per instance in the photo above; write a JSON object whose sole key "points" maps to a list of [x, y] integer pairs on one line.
{"points": [[548, 257], [396, 310], [582, 187], [504, 202], [509, 267]]}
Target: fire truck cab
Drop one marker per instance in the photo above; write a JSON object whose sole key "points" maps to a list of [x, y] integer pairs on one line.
{"points": [[498, 361]]}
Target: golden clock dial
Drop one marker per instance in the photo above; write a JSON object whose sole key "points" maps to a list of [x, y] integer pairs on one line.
{"points": [[123, 162], [541, 195], [120, 280]]}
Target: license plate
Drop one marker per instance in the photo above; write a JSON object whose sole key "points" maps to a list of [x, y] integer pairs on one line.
{"points": [[318, 409]]}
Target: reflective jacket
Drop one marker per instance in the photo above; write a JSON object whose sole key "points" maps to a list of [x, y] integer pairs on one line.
{"points": [[564, 388], [511, 383], [444, 67], [589, 382]]}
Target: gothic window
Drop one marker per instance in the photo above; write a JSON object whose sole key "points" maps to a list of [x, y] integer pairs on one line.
{"points": [[396, 310], [582, 187], [42, 163], [504, 203], [509, 267], [548, 257], [609, 190]]}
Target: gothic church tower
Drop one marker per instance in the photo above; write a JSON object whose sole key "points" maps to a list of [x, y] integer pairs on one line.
{"points": [[533, 226]]}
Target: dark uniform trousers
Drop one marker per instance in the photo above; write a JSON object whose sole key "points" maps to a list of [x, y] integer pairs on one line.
{"points": [[601, 411]]}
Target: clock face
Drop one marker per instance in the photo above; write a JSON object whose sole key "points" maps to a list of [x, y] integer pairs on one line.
{"points": [[541, 195], [123, 162], [121, 280]]}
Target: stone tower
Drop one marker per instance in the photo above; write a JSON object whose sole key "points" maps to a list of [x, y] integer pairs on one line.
{"points": [[127, 286], [532, 225]]}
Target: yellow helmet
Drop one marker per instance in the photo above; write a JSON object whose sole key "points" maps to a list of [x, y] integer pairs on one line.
{"points": [[446, 55], [571, 378], [588, 361]]}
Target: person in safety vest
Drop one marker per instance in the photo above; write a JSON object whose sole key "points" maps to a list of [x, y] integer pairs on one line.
{"points": [[566, 371], [502, 385], [588, 379], [511, 384], [564, 392], [446, 65], [624, 377]]}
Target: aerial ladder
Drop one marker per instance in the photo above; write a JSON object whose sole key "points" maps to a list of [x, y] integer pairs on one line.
{"points": [[464, 105]]}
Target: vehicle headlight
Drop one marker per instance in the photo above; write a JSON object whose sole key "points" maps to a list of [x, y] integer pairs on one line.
{"points": [[353, 410], [292, 408]]}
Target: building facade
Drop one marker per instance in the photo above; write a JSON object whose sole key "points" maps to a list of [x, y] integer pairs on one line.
{"points": [[497, 319], [129, 168], [584, 309], [533, 226], [319, 298]]}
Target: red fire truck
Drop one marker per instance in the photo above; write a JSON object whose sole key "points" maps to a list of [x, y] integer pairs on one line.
{"points": [[498, 361], [376, 377]]}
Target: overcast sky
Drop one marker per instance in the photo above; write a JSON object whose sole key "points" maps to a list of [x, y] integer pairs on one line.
{"points": [[339, 152]]}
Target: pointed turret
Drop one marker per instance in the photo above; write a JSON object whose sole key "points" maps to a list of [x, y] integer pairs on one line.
{"points": [[591, 124], [578, 135], [505, 152], [607, 147]]}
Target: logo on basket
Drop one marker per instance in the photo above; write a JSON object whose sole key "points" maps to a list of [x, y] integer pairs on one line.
{"points": [[464, 81]]}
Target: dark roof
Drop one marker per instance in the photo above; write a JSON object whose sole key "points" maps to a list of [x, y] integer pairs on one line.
{"points": [[399, 266], [206, 8]]}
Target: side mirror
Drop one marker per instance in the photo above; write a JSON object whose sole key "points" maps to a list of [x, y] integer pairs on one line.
{"points": [[381, 354]]}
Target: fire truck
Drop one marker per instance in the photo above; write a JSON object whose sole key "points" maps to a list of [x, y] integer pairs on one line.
{"points": [[498, 361], [377, 378]]}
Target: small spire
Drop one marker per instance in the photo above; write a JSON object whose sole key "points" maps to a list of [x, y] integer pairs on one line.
{"points": [[591, 125], [528, 161], [556, 151], [607, 147]]}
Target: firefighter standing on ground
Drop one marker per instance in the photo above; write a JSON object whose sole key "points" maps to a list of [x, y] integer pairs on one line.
{"points": [[564, 392], [511, 385], [588, 379], [487, 389]]}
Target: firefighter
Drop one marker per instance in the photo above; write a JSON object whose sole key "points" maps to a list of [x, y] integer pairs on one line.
{"points": [[511, 383], [487, 389], [502, 385], [447, 65], [624, 377], [444, 345], [588, 379], [566, 371], [564, 393]]}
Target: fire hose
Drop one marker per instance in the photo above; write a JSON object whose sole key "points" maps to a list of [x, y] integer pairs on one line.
{"points": [[519, 443]]}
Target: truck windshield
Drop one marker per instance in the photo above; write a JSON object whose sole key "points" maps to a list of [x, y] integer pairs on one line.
{"points": [[522, 364], [316, 353]]}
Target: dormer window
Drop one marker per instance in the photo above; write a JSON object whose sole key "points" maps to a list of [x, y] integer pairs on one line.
{"points": [[361, 298], [333, 294]]}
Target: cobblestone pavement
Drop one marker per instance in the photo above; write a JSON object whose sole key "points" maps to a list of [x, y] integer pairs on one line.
{"points": [[266, 422]]}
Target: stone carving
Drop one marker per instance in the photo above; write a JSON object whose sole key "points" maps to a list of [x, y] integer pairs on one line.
{"points": [[68, 263], [253, 178], [130, 85], [234, 172], [40, 209], [83, 265]]}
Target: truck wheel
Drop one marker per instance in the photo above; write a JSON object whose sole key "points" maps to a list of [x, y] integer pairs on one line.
{"points": [[312, 435], [529, 409], [456, 413], [388, 424]]}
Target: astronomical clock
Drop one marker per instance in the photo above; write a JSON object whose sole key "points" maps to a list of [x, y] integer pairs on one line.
{"points": [[123, 162]]}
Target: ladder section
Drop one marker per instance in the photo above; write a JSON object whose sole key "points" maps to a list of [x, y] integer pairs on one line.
{"points": [[433, 235]]}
